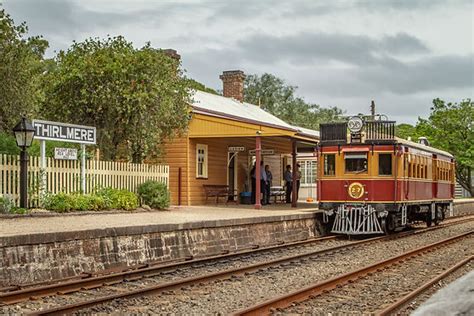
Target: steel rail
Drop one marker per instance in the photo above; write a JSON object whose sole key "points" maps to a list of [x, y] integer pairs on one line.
{"points": [[410, 296], [67, 285], [217, 275], [319, 288]]}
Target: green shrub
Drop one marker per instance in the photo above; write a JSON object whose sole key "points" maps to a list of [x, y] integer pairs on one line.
{"points": [[154, 194], [118, 199], [6, 205], [60, 202], [107, 198]]}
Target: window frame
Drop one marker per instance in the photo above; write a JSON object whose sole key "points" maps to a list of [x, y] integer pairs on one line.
{"points": [[366, 171], [205, 161], [308, 168], [391, 164], [324, 165]]}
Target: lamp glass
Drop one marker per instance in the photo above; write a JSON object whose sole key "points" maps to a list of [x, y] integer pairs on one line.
{"points": [[29, 135], [20, 139]]}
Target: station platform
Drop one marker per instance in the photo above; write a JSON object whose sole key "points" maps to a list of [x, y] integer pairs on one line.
{"points": [[455, 299], [176, 217], [49, 246]]}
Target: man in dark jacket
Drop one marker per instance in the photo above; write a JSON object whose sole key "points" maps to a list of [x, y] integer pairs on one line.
{"points": [[288, 177]]}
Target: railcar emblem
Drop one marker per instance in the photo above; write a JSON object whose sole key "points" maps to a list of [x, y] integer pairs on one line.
{"points": [[356, 190], [355, 124]]}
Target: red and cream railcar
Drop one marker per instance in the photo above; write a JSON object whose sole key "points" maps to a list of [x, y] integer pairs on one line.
{"points": [[372, 182]]}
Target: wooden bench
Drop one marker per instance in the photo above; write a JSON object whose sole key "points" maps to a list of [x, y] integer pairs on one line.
{"points": [[217, 191], [278, 192]]}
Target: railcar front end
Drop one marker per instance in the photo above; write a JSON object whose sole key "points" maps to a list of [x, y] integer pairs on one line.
{"points": [[371, 182]]}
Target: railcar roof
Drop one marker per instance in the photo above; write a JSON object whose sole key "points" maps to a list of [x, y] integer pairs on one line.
{"points": [[423, 147]]}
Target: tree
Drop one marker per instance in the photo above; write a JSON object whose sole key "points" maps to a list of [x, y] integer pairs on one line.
{"points": [[405, 131], [279, 99], [450, 126], [193, 84], [21, 64], [135, 97]]}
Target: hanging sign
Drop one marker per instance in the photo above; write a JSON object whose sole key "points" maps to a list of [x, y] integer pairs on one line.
{"points": [[45, 130], [65, 153], [263, 152], [235, 149]]}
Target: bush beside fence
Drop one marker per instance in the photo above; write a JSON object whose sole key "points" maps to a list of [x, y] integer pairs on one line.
{"points": [[65, 176]]}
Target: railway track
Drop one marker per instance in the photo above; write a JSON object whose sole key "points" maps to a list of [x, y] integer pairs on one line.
{"points": [[16, 294], [398, 305], [325, 288], [76, 285]]}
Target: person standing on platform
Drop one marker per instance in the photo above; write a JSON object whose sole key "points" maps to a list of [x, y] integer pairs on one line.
{"points": [[288, 177], [269, 182], [254, 185], [263, 184], [298, 180]]}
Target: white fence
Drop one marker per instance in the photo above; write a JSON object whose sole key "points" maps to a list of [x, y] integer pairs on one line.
{"points": [[65, 176]]}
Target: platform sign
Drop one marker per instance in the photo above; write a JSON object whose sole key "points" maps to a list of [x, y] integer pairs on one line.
{"points": [[235, 149], [45, 130], [263, 152], [65, 153]]}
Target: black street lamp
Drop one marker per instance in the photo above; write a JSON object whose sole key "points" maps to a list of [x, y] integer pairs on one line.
{"points": [[24, 134]]}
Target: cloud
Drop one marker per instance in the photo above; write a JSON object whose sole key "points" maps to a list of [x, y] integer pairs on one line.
{"points": [[346, 48], [342, 52], [426, 74]]}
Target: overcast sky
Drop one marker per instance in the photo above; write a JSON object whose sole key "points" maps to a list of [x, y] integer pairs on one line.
{"points": [[401, 53]]}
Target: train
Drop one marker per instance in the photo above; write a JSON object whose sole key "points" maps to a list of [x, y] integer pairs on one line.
{"points": [[372, 182]]}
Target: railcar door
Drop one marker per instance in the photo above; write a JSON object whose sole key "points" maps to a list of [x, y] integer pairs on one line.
{"points": [[434, 177]]}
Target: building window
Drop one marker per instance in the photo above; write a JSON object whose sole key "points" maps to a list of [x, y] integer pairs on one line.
{"points": [[329, 164], [308, 171], [356, 162], [201, 161], [385, 164]]}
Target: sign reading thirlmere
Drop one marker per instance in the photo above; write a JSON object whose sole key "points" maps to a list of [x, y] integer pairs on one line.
{"points": [[45, 130]]}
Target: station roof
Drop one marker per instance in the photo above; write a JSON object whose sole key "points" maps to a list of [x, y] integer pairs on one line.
{"points": [[223, 107]]}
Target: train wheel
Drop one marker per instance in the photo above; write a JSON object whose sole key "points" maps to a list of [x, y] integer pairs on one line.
{"points": [[383, 223], [429, 221], [388, 224]]}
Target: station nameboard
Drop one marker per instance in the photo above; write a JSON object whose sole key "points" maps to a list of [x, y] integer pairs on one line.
{"points": [[45, 130], [263, 152], [235, 149], [65, 153]]}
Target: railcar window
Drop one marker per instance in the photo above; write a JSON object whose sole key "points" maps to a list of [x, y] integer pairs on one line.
{"points": [[329, 164], [385, 164], [356, 162]]}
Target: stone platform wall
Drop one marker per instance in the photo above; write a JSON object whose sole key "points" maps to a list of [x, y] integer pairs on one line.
{"points": [[463, 207], [41, 257]]}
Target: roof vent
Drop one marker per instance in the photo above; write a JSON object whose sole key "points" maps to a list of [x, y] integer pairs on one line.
{"points": [[423, 141]]}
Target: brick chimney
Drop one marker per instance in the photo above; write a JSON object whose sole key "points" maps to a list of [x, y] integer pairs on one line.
{"points": [[233, 84], [172, 53]]}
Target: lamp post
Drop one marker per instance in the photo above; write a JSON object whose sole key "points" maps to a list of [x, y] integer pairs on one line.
{"points": [[24, 134]]}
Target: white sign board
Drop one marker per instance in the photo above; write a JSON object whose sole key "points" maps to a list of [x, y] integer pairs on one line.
{"points": [[235, 149], [65, 153], [45, 130], [263, 152]]}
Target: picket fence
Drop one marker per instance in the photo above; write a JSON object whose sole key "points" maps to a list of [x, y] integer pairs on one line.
{"points": [[65, 176]]}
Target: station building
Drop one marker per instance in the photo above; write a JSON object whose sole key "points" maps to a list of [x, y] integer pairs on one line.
{"points": [[220, 145]]}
